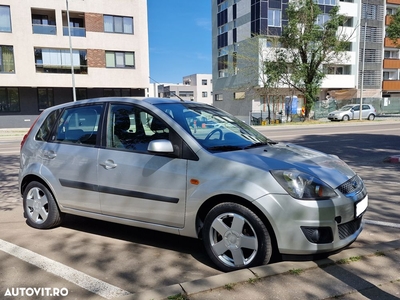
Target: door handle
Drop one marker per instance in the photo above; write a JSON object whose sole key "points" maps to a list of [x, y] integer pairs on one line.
{"points": [[50, 154], [109, 164]]}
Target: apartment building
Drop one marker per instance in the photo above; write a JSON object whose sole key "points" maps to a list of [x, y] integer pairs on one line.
{"points": [[236, 21], [104, 52], [195, 87]]}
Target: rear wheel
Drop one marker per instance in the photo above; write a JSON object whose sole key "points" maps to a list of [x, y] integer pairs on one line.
{"points": [[40, 208], [371, 117], [235, 237], [345, 118]]}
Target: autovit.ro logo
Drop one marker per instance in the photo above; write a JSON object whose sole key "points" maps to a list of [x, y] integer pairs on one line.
{"points": [[36, 291]]}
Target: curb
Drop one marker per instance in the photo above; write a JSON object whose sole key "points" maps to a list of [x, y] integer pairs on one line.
{"points": [[241, 276]]}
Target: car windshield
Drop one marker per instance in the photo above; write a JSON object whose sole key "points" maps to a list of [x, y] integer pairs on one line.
{"points": [[214, 129], [347, 107]]}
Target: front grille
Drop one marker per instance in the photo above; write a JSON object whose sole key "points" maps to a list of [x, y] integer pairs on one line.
{"points": [[354, 184], [347, 229]]}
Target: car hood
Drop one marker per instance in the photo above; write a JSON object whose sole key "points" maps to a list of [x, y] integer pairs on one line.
{"points": [[328, 168], [337, 111]]}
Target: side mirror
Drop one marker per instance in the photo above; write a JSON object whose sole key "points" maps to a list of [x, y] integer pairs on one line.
{"points": [[160, 146]]}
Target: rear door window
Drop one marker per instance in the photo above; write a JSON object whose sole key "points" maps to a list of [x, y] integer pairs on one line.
{"points": [[79, 125]]}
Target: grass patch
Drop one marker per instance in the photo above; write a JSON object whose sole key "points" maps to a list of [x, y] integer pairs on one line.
{"points": [[296, 271], [348, 260], [379, 253], [229, 286], [254, 280]]}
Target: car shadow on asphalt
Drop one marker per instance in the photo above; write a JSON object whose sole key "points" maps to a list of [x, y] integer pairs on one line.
{"points": [[136, 235]]}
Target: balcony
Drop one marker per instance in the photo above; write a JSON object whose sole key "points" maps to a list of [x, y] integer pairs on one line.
{"points": [[390, 63], [388, 19], [75, 31], [44, 29], [393, 1], [388, 43], [43, 21], [76, 23], [391, 85]]}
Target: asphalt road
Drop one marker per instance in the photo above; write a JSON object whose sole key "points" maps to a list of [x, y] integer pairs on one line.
{"points": [[87, 258]]}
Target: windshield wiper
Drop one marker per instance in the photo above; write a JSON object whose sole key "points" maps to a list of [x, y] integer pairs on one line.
{"points": [[259, 144], [224, 148]]}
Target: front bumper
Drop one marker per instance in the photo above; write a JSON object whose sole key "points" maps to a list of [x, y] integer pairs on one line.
{"points": [[306, 227]]}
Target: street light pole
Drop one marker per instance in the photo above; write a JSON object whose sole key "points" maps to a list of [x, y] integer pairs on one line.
{"points": [[70, 54]]}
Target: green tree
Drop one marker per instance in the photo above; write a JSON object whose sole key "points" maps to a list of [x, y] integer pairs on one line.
{"points": [[393, 29], [307, 45], [251, 73]]}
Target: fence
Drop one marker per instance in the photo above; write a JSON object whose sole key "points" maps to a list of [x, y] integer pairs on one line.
{"points": [[383, 106]]}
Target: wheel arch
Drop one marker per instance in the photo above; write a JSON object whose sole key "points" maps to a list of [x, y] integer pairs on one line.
{"points": [[31, 177], [225, 198]]}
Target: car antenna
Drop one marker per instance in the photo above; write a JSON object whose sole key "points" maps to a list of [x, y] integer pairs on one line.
{"points": [[174, 93]]}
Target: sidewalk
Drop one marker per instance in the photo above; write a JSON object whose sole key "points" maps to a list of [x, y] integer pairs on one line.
{"points": [[368, 272]]}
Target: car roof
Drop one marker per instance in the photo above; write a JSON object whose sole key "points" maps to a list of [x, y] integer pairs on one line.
{"points": [[150, 100]]}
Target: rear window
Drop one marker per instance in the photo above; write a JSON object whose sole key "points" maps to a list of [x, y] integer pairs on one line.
{"points": [[45, 130]]}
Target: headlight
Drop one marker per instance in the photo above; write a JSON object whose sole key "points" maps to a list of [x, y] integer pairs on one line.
{"points": [[302, 185]]}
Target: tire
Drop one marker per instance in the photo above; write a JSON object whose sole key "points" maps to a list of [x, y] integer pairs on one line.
{"points": [[371, 117], [235, 237], [40, 208], [345, 118]]}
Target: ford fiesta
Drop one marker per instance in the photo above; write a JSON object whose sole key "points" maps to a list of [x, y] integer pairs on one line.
{"points": [[190, 169]]}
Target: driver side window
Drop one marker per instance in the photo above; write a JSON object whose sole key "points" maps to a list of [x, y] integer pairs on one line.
{"points": [[132, 128]]}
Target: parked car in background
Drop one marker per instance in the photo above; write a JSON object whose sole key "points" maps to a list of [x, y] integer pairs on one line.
{"points": [[352, 112], [141, 162]]}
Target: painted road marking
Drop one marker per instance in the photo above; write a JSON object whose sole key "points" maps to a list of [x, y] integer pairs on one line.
{"points": [[381, 223], [83, 280]]}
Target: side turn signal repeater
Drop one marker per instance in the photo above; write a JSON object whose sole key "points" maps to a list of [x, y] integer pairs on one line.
{"points": [[194, 181]]}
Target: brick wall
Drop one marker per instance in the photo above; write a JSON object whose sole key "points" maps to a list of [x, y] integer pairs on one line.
{"points": [[96, 58], [94, 22]]}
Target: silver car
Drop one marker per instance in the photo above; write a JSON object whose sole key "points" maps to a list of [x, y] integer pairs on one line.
{"points": [[146, 163], [352, 111]]}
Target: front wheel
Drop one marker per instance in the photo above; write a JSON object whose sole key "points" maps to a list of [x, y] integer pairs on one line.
{"points": [[235, 237], [346, 118], [40, 208]]}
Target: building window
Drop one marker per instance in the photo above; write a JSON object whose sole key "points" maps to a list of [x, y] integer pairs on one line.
{"points": [[223, 66], [81, 94], [326, 2], [118, 24], [6, 59], [223, 6], [204, 94], [59, 61], [45, 98], [218, 97], [76, 25], [369, 11], [44, 22], [274, 17], [117, 92], [9, 100], [239, 95], [120, 59], [322, 19], [391, 54], [5, 19], [204, 82], [186, 93]]}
